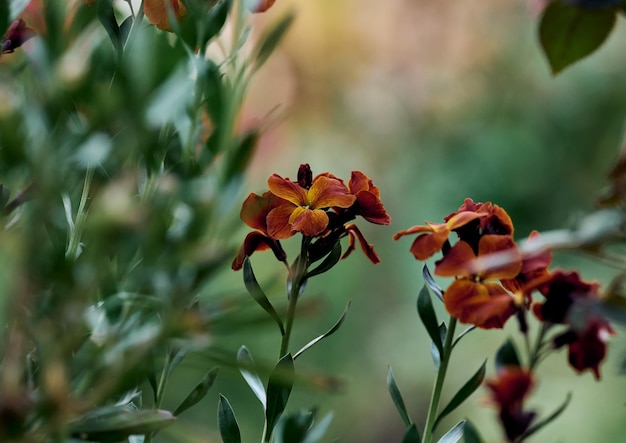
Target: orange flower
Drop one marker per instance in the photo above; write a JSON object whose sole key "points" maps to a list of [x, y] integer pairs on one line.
{"points": [[158, 12], [471, 298], [368, 204], [305, 209]]}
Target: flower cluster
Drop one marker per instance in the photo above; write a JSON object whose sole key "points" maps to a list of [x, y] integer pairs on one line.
{"points": [[494, 281], [320, 208]]}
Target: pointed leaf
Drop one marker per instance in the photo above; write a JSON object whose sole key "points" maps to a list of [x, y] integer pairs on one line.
{"points": [[331, 260], [431, 283], [115, 424], [258, 295], [507, 355], [177, 359], [549, 418], [106, 15], [396, 397], [468, 389], [568, 33], [470, 433], [216, 18], [328, 333], [434, 351], [271, 39], [318, 430], [198, 393], [229, 429], [453, 435], [294, 428], [246, 366], [278, 391], [429, 318], [412, 435]]}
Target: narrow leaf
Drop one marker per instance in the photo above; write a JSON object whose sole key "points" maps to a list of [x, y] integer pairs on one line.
{"points": [[431, 283], [429, 318], [468, 389], [507, 355], [229, 429], [412, 435], [396, 397], [453, 435], [115, 424], [258, 295], [319, 430], [568, 33], [434, 351], [106, 15], [294, 428], [278, 391], [216, 19], [328, 333], [470, 433], [331, 260], [549, 418], [271, 39], [198, 393], [246, 366]]}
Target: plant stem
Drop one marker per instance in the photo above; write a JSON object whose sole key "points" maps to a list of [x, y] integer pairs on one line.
{"points": [[81, 217], [535, 355], [437, 390]]}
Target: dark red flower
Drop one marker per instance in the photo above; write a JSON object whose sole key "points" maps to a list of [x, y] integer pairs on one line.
{"points": [[16, 35], [534, 267], [588, 349]]}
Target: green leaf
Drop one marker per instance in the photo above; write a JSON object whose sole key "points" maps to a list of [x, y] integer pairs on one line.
{"points": [[258, 295], [328, 333], [229, 429], [198, 393], [429, 318], [470, 433], [216, 18], [507, 355], [318, 430], [114, 424], [238, 158], [431, 283], [331, 260], [278, 391], [453, 435], [434, 351], [294, 428], [5, 16], [396, 397], [568, 33], [246, 364], [106, 15], [270, 40], [412, 435], [549, 418], [468, 389]]}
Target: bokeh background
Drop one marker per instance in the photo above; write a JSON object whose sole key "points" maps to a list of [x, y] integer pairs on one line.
{"points": [[435, 101]]}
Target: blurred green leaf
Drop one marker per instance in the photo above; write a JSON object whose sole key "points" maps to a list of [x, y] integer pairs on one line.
{"points": [[229, 429], [106, 15], [434, 351], [412, 435], [507, 355], [396, 397], [538, 426], [294, 427], [5, 16], [429, 318], [470, 433], [328, 333], [453, 435], [198, 393], [216, 18], [468, 389], [238, 158], [258, 295], [331, 260], [115, 424], [246, 364], [568, 33], [278, 391], [271, 39], [431, 283], [319, 429]]}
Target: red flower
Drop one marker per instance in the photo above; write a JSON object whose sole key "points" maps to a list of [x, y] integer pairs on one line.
{"points": [[588, 348], [263, 5], [158, 12], [16, 35], [254, 213], [534, 267], [493, 220], [368, 204], [508, 392], [305, 209], [472, 298]]}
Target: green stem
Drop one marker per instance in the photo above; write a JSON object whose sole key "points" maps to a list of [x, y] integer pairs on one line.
{"points": [[535, 355], [441, 376], [165, 372], [81, 217]]}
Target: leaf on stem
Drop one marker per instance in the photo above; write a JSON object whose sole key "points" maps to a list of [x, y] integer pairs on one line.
{"points": [[549, 418], [412, 435], [106, 15], [114, 424], [258, 295], [229, 429], [328, 333], [453, 435], [429, 318], [468, 389], [246, 366], [396, 397], [507, 355], [434, 351], [431, 283], [270, 40], [198, 393], [470, 433], [318, 430], [278, 391], [568, 33], [331, 260], [294, 428]]}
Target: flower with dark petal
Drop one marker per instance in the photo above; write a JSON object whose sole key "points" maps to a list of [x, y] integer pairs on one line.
{"points": [[305, 210], [368, 204], [254, 213], [263, 5], [509, 390], [534, 267], [158, 12], [16, 35], [587, 348]]}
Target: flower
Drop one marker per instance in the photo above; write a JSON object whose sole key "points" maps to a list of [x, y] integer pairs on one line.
{"points": [[534, 267], [368, 204], [16, 35], [508, 392], [254, 213], [158, 12], [305, 209], [263, 5], [587, 348], [471, 297]]}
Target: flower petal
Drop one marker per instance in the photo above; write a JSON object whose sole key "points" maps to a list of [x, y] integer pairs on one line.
{"points": [[461, 219], [486, 305], [287, 190], [310, 222], [503, 266], [255, 241], [371, 208], [278, 225], [458, 261], [327, 192], [157, 13], [256, 207], [368, 248], [424, 246]]}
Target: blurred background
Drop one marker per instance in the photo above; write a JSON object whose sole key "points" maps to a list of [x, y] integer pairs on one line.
{"points": [[435, 101]]}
